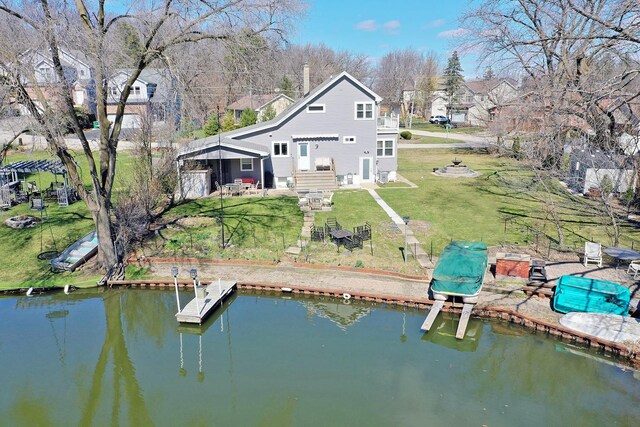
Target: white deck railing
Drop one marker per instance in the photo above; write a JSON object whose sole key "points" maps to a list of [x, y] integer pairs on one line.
{"points": [[389, 122]]}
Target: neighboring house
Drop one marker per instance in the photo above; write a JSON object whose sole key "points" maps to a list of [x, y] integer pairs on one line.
{"points": [[278, 101], [590, 169], [153, 95], [473, 102], [79, 79], [331, 135]]}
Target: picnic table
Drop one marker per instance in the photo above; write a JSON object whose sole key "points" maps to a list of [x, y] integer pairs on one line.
{"points": [[339, 236]]}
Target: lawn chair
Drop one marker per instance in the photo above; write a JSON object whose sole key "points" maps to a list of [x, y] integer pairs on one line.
{"points": [[363, 231], [592, 253], [634, 269], [317, 233], [332, 224], [352, 242]]}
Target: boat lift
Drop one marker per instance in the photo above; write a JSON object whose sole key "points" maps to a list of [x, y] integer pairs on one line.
{"points": [[207, 298]]}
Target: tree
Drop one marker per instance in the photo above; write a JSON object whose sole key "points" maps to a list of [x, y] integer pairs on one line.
{"points": [[488, 73], [427, 82], [453, 82], [286, 87], [397, 71], [228, 122], [579, 70], [212, 126], [268, 113], [248, 117], [94, 29]]}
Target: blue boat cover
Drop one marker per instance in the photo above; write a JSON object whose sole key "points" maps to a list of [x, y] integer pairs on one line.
{"points": [[574, 293]]}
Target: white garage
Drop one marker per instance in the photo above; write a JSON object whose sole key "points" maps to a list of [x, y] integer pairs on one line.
{"points": [[129, 121]]}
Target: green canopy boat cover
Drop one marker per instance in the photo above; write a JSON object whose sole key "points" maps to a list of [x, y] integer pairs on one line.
{"points": [[461, 268], [583, 294]]}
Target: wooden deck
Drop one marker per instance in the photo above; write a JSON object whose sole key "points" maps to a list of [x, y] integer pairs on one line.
{"points": [[196, 311]]}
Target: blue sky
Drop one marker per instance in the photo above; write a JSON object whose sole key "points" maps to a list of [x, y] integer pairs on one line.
{"points": [[374, 27]]}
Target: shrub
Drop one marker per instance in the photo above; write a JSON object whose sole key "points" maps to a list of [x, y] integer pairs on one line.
{"points": [[405, 134], [359, 264]]}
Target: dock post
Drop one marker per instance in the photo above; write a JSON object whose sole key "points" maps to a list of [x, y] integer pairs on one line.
{"points": [[194, 275], [174, 272]]}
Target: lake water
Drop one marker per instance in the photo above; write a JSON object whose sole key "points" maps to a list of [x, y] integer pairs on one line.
{"points": [[118, 357]]}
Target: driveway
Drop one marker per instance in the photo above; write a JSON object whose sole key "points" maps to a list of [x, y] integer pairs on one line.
{"points": [[470, 141]]}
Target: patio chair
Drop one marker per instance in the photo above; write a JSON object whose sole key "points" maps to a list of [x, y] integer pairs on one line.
{"points": [[332, 224], [317, 233], [255, 188], [303, 202], [352, 242], [592, 253], [327, 197], [363, 231], [634, 269]]}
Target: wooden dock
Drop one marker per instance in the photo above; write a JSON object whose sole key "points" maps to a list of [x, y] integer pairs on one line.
{"points": [[431, 317], [197, 310]]}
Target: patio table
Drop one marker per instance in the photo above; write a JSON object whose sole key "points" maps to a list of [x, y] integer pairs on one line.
{"points": [[339, 235], [622, 254]]}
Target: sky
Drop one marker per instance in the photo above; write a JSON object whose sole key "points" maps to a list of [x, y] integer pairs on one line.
{"points": [[375, 27]]}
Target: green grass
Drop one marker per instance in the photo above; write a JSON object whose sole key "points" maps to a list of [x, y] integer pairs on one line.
{"points": [[60, 227], [476, 208], [254, 228], [418, 139], [352, 208]]}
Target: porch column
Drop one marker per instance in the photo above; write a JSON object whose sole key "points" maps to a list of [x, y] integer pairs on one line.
{"points": [[262, 172]]}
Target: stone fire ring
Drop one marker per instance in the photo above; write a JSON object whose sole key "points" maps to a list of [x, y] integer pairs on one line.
{"points": [[22, 221]]}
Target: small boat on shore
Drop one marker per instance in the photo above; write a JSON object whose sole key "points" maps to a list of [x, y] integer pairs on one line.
{"points": [[76, 254], [610, 327], [582, 294], [460, 271]]}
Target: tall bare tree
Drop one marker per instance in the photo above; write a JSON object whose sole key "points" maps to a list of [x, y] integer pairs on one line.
{"points": [[397, 72], [92, 28]]}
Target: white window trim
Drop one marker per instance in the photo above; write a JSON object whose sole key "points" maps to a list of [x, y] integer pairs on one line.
{"points": [[242, 165], [273, 148], [393, 148], [345, 139], [364, 110], [324, 108]]}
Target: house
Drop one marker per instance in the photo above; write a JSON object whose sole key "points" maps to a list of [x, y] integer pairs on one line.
{"points": [[332, 135], [278, 101], [153, 95], [591, 169], [78, 78], [473, 101]]}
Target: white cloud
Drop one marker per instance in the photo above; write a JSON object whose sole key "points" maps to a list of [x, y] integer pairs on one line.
{"points": [[368, 25], [452, 34], [391, 27], [435, 24]]}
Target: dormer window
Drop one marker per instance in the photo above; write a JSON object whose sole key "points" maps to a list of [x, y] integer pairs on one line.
{"points": [[364, 110], [136, 90], [114, 91], [316, 108]]}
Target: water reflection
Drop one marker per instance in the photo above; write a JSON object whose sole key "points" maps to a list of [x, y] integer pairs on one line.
{"points": [[120, 358], [444, 329]]}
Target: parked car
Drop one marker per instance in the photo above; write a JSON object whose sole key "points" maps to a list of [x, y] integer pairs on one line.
{"points": [[438, 120]]}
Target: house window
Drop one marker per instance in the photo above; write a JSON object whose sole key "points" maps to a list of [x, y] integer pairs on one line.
{"points": [[114, 91], [385, 148], [46, 72], [349, 140], [316, 108], [136, 90], [469, 98], [364, 110], [246, 164], [280, 149], [81, 73]]}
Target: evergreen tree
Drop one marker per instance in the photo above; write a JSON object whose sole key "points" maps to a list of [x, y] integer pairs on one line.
{"points": [[212, 126], [453, 81], [488, 73], [268, 113], [286, 87], [228, 122], [248, 117]]}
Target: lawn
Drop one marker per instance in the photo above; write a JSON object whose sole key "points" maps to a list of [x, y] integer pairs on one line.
{"points": [[483, 208], [254, 228], [418, 139], [60, 227]]}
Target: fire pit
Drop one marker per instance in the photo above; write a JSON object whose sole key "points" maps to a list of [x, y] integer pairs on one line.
{"points": [[456, 170], [22, 221]]}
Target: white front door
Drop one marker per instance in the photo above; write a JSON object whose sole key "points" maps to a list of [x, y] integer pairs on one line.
{"points": [[366, 169], [303, 156]]}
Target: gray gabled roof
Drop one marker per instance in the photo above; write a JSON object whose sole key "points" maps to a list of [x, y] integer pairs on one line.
{"points": [[159, 77], [200, 145], [301, 104]]}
